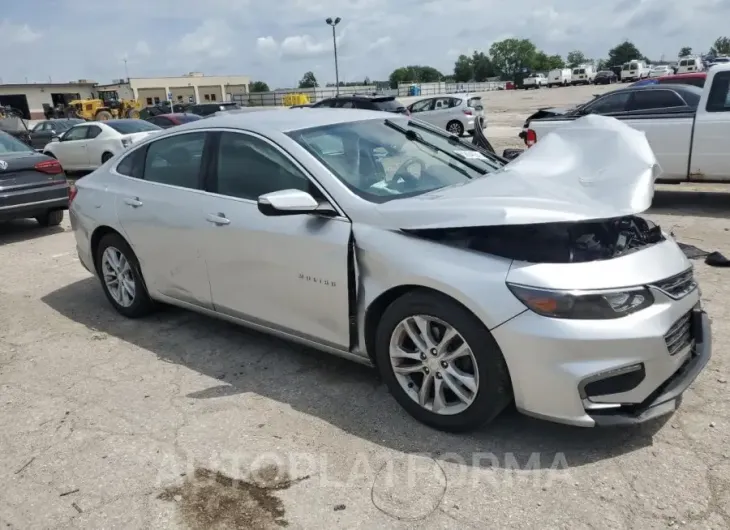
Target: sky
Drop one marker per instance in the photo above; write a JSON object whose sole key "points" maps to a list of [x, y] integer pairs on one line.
{"points": [[277, 41]]}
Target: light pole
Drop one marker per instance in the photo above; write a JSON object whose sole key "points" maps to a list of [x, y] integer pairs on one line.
{"points": [[334, 23]]}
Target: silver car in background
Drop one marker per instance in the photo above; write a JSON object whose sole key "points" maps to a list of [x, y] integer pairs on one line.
{"points": [[468, 283], [455, 113]]}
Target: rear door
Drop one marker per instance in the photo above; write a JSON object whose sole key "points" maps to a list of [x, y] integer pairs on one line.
{"points": [[158, 198], [283, 272], [710, 157]]}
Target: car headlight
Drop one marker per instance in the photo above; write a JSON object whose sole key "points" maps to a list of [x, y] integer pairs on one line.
{"points": [[583, 305]]}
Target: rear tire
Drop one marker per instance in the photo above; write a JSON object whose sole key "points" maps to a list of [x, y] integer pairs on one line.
{"points": [[119, 273], [492, 382], [52, 218], [133, 114], [103, 115], [455, 127]]}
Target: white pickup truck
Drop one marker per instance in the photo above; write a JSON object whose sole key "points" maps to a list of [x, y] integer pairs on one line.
{"points": [[690, 145], [535, 81]]}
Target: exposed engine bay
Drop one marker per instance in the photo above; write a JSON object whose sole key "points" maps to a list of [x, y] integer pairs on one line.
{"points": [[565, 242]]}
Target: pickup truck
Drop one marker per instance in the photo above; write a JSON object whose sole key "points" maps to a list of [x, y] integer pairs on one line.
{"points": [[690, 141], [535, 81]]}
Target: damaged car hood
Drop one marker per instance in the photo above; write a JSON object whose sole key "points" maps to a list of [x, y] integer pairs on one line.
{"points": [[593, 168]]}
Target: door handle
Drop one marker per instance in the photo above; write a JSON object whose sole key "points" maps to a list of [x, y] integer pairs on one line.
{"points": [[134, 203], [217, 218]]}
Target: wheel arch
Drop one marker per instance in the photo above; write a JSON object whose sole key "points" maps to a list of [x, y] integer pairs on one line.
{"points": [[377, 307], [95, 240]]}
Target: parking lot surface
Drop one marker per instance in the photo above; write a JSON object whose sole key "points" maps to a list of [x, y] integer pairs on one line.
{"points": [[182, 421]]}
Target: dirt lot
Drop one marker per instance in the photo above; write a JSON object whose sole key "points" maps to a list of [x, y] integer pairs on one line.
{"points": [[181, 421]]}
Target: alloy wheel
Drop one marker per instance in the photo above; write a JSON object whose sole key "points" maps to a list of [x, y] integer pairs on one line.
{"points": [[434, 364], [118, 276]]}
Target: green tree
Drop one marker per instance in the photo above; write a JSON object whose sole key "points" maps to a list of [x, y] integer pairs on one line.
{"points": [[544, 62], [721, 46], [512, 56], [414, 74], [308, 81], [463, 69], [259, 86], [623, 53], [576, 58], [483, 67], [685, 51]]}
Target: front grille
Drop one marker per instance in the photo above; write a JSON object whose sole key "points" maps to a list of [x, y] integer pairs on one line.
{"points": [[679, 335], [678, 286]]}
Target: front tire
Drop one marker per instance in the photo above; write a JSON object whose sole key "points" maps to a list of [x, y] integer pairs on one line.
{"points": [[121, 279], [455, 127], [52, 218], [441, 363]]}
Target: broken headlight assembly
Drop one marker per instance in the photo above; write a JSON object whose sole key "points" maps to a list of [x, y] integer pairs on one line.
{"points": [[583, 305]]}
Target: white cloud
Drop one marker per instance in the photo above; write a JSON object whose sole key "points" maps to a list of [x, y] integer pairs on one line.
{"points": [[278, 41], [142, 48], [211, 39], [11, 33]]}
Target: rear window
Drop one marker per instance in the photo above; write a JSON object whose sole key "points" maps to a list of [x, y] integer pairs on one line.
{"points": [[475, 103], [389, 105], [8, 144], [132, 126], [579, 71]]}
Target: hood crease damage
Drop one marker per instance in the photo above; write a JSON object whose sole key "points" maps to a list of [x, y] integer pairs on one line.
{"points": [[595, 168]]}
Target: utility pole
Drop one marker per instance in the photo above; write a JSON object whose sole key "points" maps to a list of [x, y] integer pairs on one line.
{"points": [[334, 23], [126, 70]]}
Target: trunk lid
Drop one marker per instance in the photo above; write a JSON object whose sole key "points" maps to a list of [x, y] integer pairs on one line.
{"points": [[593, 168], [18, 171]]}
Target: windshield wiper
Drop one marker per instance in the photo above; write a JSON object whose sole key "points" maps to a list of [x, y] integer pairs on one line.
{"points": [[415, 137], [454, 138]]}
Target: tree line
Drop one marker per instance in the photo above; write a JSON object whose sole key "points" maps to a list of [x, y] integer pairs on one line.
{"points": [[506, 60]]}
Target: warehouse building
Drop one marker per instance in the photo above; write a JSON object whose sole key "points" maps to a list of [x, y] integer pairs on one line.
{"points": [[30, 98], [193, 87]]}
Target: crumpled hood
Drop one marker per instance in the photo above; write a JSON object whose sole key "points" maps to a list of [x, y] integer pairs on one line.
{"points": [[593, 168]]}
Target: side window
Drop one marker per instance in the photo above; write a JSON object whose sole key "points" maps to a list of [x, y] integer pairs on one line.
{"points": [[655, 99], [76, 133], [325, 103], [719, 98], [248, 167], [345, 104], [454, 102], [611, 103], [132, 165], [176, 160], [40, 127], [422, 106], [94, 131], [441, 103]]}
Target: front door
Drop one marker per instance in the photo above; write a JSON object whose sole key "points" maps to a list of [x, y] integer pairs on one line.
{"points": [[710, 157], [288, 272], [158, 206], [72, 151], [41, 135]]}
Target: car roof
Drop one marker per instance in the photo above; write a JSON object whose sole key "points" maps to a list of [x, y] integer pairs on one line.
{"points": [[175, 115], [366, 97], [282, 121], [688, 75]]}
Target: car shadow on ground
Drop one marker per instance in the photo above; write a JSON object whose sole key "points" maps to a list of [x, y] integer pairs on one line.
{"points": [[694, 203], [345, 394], [24, 230]]}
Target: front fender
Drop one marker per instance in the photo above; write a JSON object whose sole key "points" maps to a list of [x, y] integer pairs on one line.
{"points": [[389, 259]]}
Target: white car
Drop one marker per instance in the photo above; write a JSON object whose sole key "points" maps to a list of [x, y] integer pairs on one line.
{"points": [[88, 145], [455, 112], [535, 81], [660, 71]]}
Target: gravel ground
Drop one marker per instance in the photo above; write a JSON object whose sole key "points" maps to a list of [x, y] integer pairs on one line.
{"points": [[181, 421]]}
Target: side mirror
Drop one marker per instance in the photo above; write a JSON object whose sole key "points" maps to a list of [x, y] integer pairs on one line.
{"points": [[56, 138], [511, 154], [287, 202]]}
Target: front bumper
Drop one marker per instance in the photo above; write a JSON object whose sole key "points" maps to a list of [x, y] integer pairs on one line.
{"points": [[552, 362]]}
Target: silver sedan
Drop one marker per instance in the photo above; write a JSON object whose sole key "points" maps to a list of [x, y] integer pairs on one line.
{"points": [[469, 282]]}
